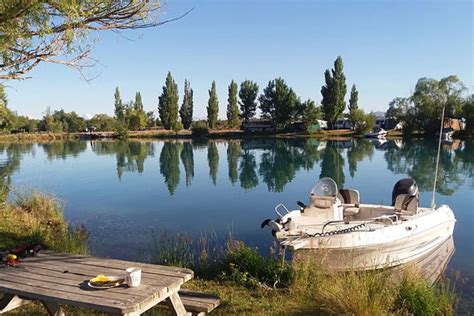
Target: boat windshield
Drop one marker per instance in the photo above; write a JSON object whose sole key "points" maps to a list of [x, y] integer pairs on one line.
{"points": [[325, 187]]}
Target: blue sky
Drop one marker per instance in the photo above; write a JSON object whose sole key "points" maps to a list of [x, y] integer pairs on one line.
{"points": [[385, 45]]}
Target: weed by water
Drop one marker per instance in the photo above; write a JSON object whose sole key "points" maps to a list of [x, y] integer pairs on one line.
{"points": [[38, 218]]}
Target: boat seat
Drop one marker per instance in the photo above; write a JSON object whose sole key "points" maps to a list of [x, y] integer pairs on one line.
{"points": [[320, 206], [350, 196], [406, 204]]}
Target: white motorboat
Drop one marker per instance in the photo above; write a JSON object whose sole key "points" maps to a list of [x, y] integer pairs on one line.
{"points": [[344, 234], [377, 132]]}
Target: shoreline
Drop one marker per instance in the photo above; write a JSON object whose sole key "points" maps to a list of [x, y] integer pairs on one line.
{"points": [[213, 134]]}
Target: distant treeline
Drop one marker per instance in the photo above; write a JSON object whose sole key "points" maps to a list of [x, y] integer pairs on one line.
{"points": [[278, 104]]}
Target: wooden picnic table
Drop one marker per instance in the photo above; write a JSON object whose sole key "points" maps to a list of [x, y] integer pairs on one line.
{"points": [[58, 278]]}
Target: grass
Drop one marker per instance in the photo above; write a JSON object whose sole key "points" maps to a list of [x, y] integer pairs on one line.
{"points": [[38, 218], [247, 282]]}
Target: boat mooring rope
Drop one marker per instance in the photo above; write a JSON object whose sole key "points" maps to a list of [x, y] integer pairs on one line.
{"points": [[338, 231]]}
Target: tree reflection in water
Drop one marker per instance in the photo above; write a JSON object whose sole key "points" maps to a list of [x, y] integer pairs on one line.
{"points": [[11, 155], [213, 160], [418, 158], [332, 164], [187, 158], [169, 164], [233, 155], [274, 162]]}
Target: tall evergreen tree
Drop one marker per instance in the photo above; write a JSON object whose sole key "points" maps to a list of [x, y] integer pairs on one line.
{"points": [[233, 106], [186, 111], [354, 99], [138, 102], [119, 107], [278, 102], [334, 92], [212, 106], [248, 96], [168, 104]]}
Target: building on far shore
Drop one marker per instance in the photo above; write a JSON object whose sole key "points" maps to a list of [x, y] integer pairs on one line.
{"points": [[258, 125]]}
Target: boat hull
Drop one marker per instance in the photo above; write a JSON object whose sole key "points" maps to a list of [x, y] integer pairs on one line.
{"points": [[378, 248]]}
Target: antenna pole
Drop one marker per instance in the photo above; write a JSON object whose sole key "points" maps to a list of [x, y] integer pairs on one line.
{"points": [[433, 203]]}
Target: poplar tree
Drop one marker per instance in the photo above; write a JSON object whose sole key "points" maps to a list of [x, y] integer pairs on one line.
{"points": [[334, 92], [213, 106], [248, 95], [354, 99], [138, 102], [186, 111], [233, 106], [168, 104], [119, 108]]}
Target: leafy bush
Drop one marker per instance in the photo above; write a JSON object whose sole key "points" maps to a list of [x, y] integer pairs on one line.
{"points": [[247, 267], [200, 128], [361, 122]]}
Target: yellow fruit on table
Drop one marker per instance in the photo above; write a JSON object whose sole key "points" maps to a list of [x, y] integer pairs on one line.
{"points": [[11, 257], [100, 278]]}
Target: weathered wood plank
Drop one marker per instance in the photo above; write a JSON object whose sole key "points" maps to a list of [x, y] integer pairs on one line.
{"points": [[95, 267], [53, 309], [79, 287], [57, 296], [177, 304], [121, 264], [43, 278], [87, 272]]}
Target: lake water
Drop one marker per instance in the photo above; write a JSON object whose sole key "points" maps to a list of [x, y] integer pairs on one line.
{"points": [[127, 192]]}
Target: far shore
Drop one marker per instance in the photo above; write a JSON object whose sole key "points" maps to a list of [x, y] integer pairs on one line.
{"points": [[186, 134], [213, 134]]}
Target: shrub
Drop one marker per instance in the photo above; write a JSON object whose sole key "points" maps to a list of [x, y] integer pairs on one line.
{"points": [[200, 128], [361, 122], [245, 266]]}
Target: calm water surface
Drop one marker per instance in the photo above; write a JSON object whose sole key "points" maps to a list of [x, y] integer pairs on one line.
{"points": [[127, 192]]}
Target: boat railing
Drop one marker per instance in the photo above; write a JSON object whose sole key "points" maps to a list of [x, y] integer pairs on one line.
{"points": [[279, 206]]}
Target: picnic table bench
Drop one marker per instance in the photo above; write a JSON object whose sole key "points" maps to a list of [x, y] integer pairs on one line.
{"points": [[58, 278]]}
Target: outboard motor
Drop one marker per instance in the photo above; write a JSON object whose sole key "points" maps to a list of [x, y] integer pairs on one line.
{"points": [[405, 186]]}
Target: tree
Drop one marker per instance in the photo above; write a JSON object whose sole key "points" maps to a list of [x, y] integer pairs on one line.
{"points": [[212, 106], [354, 99], [430, 96], [361, 122], [397, 109], [186, 111], [138, 102], [119, 109], [150, 119], [248, 95], [278, 102], [468, 112], [334, 92], [58, 31], [135, 116], [232, 106], [101, 123], [7, 119], [311, 112], [168, 104]]}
